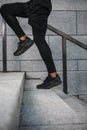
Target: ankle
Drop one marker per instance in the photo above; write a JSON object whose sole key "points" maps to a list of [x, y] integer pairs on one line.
{"points": [[22, 38], [53, 75]]}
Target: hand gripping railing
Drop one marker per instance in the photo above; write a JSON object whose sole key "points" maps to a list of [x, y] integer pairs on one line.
{"points": [[64, 50]]}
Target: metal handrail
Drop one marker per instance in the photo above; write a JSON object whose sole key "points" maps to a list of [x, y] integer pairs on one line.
{"points": [[64, 52], [4, 41], [58, 32]]}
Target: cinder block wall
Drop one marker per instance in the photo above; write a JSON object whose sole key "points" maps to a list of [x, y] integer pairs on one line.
{"points": [[69, 16]]}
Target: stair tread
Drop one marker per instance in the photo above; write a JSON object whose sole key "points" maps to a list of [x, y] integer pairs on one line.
{"points": [[72, 101], [45, 107]]}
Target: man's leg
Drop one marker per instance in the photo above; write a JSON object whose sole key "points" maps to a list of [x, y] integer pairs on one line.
{"points": [[9, 13], [39, 38], [53, 78]]}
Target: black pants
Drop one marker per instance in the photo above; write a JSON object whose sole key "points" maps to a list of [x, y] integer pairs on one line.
{"points": [[38, 21]]}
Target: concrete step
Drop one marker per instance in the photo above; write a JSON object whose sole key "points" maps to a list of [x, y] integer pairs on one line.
{"points": [[75, 103], [72, 101], [83, 98], [56, 127], [46, 110], [11, 91]]}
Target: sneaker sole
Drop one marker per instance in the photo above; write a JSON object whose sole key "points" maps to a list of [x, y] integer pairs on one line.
{"points": [[50, 86]]}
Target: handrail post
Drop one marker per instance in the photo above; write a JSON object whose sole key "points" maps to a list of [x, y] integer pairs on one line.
{"points": [[64, 55], [4, 49]]}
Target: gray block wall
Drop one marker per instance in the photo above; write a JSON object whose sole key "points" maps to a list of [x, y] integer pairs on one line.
{"points": [[69, 16]]}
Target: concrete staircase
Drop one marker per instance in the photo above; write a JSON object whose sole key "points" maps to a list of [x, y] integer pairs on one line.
{"points": [[40, 109], [51, 110]]}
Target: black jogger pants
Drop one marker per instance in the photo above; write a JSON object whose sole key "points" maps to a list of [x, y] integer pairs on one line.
{"points": [[38, 21]]}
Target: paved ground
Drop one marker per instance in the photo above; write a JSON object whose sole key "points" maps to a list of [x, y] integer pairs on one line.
{"points": [[45, 110]]}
